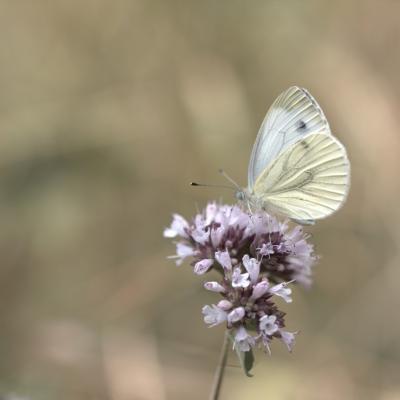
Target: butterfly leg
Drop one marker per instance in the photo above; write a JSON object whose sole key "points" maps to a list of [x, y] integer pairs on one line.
{"points": [[248, 204]]}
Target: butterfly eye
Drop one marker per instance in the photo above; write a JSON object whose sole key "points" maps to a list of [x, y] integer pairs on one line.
{"points": [[240, 196]]}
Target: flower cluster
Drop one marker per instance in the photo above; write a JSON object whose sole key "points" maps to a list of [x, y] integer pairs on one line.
{"points": [[284, 255], [247, 304], [257, 256]]}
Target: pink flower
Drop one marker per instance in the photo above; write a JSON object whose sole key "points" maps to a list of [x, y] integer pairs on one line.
{"points": [[182, 251], [243, 341], [213, 315], [288, 338], [178, 227], [216, 236], [268, 324], [282, 291], [259, 290], [240, 280], [224, 259], [252, 267]]}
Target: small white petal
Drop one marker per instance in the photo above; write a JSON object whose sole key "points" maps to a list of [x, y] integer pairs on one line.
{"points": [[240, 218], [211, 212], [252, 267], [182, 251], [268, 325], [243, 341], [216, 235], [178, 227], [224, 259], [200, 235], [282, 291], [199, 222], [169, 233], [288, 338], [240, 280], [213, 315]]}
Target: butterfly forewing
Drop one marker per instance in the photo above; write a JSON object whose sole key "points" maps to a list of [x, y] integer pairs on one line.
{"points": [[308, 180], [294, 115]]}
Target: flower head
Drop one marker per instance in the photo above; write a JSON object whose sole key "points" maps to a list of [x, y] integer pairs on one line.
{"points": [[222, 236], [257, 257]]}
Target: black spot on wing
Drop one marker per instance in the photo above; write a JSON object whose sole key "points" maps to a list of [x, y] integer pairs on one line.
{"points": [[301, 125]]}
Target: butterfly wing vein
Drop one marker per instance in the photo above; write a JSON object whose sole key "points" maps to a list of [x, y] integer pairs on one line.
{"points": [[294, 115], [308, 180]]}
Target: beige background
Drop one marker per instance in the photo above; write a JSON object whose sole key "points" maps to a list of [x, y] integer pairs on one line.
{"points": [[107, 110]]}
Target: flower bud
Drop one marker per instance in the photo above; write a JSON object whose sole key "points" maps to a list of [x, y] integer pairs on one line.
{"points": [[224, 259], [214, 287], [225, 305], [202, 266], [236, 315], [259, 290]]}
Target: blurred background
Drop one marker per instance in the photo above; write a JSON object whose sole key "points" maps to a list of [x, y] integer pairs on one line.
{"points": [[107, 111]]}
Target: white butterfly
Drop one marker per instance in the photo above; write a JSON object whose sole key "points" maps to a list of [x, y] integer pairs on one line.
{"points": [[297, 168]]}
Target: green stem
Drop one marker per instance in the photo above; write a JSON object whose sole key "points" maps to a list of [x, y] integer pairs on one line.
{"points": [[219, 373]]}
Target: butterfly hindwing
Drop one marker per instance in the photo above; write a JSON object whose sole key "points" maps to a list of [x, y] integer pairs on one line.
{"points": [[308, 180], [293, 115]]}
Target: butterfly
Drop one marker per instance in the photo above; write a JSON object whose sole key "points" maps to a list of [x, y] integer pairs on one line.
{"points": [[297, 167]]}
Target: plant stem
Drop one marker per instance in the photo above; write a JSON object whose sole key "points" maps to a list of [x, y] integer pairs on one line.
{"points": [[219, 373]]}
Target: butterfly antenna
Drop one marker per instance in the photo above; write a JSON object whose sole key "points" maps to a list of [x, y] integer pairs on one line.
{"points": [[226, 176], [211, 185]]}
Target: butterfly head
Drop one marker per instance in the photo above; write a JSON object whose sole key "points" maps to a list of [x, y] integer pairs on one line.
{"points": [[240, 195], [245, 197]]}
